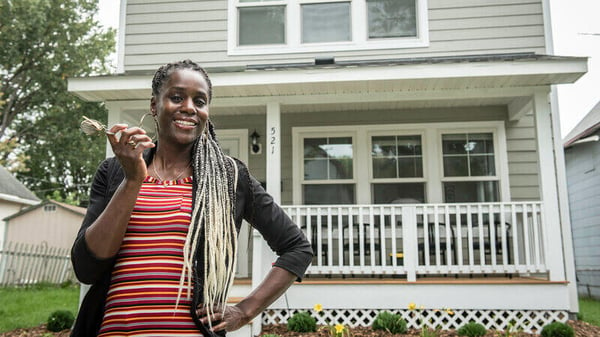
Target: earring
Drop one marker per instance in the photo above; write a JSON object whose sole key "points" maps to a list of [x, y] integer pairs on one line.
{"points": [[141, 123]]}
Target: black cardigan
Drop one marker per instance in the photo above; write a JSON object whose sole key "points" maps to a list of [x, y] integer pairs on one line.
{"points": [[252, 203]]}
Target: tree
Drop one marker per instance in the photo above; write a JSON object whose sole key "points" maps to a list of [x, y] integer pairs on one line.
{"points": [[43, 43]]}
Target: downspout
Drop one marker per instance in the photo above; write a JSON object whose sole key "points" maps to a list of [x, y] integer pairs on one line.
{"points": [[561, 176]]}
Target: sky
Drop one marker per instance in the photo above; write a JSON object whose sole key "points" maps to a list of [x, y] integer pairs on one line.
{"points": [[576, 32]]}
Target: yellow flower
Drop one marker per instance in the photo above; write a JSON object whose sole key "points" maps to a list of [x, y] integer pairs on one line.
{"points": [[339, 328], [450, 312], [318, 307], [412, 306]]}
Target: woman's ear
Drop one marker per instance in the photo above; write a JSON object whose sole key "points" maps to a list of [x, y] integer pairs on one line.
{"points": [[153, 106]]}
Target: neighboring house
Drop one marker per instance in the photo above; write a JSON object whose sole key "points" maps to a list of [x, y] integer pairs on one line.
{"points": [[416, 142], [582, 157], [51, 223], [14, 196]]}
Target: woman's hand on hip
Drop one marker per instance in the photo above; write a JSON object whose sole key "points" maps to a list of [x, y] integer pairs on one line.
{"points": [[231, 319], [128, 144]]}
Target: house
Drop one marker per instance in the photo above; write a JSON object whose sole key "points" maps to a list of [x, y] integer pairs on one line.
{"points": [[582, 157], [52, 223], [416, 143], [38, 242], [14, 196]]}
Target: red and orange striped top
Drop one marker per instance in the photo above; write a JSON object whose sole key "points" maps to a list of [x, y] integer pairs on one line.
{"points": [[145, 280]]}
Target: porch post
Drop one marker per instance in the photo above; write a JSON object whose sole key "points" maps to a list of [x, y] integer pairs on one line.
{"points": [[262, 254], [548, 184]]}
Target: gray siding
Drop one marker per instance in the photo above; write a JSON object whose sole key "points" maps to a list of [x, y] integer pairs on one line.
{"points": [[583, 182], [162, 31], [523, 166], [522, 153]]}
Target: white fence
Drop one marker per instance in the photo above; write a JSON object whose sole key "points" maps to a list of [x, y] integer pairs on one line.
{"points": [[424, 239], [22, 263]]}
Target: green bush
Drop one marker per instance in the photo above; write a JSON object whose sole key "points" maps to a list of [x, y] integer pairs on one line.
{"points": [[271, 335], [387, 321], [302, 322], [60, 320], [557, 329], [472, 329]]}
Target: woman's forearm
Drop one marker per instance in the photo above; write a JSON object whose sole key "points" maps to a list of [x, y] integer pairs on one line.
{"points": [[105, 235]]}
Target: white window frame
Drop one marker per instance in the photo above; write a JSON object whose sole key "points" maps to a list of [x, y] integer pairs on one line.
{"points": [[293, 30], [500, 157], [431, 138], [332, 134], [424, 159]]}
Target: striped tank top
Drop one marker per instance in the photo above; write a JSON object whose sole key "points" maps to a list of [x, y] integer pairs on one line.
{"points": [[145, 280]]}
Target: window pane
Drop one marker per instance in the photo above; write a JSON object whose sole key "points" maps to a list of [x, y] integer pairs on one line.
{"points": [[409, 145], [481, 143], [340, 169], [471, 191], [392, 18], [314, 148], [454, 143], [384, 168], [315, 169], [262, 25], [339, 147], [328, 194], [482, 165], [410, 167], [384, 146], [399, 193], [456, 166], [326, 22]]}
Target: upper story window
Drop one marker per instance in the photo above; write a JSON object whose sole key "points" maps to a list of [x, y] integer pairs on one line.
{"points": [[288, 26]]}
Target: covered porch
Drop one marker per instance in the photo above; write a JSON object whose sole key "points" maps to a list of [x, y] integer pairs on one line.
{"points": [[519, 228]]}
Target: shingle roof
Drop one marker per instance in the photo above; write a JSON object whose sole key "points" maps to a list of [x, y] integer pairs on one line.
{"points": [[9, 185], [586, 127]]}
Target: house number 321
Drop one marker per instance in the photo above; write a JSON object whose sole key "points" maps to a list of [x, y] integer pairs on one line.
{"points": [[273, 139]]}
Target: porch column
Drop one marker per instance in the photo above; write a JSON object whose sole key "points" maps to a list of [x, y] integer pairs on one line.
{"points": [[548, 184], [263, 257]]}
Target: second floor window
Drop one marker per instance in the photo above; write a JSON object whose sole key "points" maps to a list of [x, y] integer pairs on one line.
{"points": [[277, 26]]}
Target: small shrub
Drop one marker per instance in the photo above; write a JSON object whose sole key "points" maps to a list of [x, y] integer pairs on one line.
{"points": [[60, 320], [472, 329], [271, 335], [302, 322], [387, 321], [557, 329]]}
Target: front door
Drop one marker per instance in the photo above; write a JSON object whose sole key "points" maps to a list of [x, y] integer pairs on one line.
{"points": [[235, 144]]}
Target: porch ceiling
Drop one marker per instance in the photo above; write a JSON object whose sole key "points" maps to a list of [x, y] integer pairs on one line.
{"points": [[427, 82]]}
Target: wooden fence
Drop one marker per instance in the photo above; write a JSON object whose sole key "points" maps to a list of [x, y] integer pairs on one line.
{"points": [[22, 263]]}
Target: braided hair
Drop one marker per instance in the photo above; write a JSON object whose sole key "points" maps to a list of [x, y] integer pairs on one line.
{"points": [[212, 230]]}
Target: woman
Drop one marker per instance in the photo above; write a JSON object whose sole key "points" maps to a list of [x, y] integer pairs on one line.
{"points": [[158, 241]]}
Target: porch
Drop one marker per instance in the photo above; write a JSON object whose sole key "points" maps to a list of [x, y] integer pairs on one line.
{"points": [[418, 240]]}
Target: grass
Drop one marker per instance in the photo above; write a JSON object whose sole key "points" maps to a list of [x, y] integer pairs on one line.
{"points": [[589, 311], [27, 307]]}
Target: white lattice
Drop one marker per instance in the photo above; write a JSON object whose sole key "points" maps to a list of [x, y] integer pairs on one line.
{"points": [[525, 320]]}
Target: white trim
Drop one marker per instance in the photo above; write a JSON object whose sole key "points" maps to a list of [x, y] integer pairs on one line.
{"points": [[121, 37], [19, 200], [431, 151], [359, 31]]}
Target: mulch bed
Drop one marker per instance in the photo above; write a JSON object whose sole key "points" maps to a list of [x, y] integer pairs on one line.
{"points": [[582, 329]]}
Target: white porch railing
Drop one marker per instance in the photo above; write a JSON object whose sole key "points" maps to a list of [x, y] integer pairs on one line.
{"points": [[424, 239]]}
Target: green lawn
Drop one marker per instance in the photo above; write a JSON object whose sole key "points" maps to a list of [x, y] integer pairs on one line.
{"points": [[31, 306], [589, 311]]}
